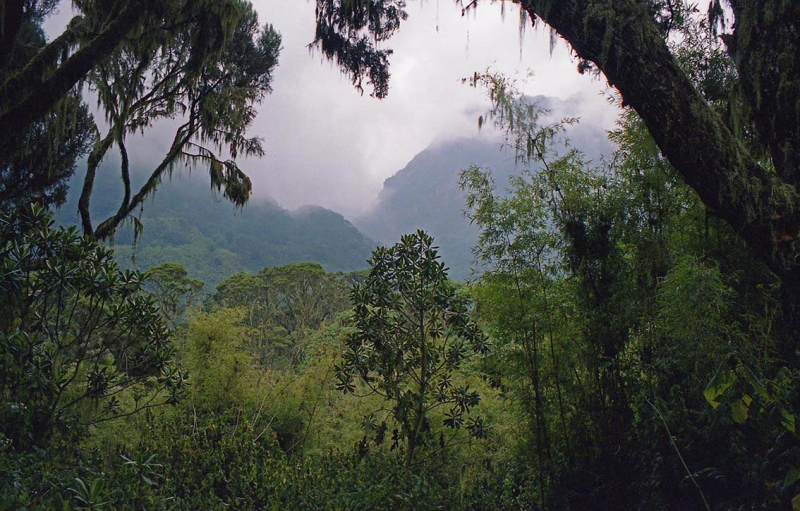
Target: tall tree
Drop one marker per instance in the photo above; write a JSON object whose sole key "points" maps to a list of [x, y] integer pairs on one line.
{"points": [[160, 78], [206, 63], [60, 137], [745, 167], [173, 290], [284, 304], [412, 332]]}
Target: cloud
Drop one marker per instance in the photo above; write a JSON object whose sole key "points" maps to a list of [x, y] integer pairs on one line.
{"points": [[328, 145]]}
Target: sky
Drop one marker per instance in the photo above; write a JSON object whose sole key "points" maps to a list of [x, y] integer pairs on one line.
{"points": [[326, 144]]}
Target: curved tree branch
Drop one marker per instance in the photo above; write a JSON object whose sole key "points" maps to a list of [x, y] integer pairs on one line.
{"points": [[182, 136], [624, 42], [29, 94], [99, 151]]}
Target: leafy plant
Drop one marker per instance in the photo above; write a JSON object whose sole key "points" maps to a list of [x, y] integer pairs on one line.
{"points": [[93, 495], [75, 333], [412, 332]]}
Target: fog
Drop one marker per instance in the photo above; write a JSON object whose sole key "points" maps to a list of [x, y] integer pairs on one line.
{"points": [[326, 144]]}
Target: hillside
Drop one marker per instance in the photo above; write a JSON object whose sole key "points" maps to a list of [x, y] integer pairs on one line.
{"points": [[425, 193], [185, 223]]}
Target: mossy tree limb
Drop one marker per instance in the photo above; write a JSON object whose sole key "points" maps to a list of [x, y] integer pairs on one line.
{"points": [[625, 43], [35, 89]]}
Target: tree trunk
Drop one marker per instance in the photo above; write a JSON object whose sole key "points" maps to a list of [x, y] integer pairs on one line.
{"points": [[30, 93], [761, 204]]}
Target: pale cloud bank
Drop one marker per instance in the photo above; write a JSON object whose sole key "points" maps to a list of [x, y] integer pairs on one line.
{"points": [[328, 145]]}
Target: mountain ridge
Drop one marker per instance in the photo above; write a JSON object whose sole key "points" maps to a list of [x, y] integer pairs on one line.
{"points": [[185, 223], [425, 194]]}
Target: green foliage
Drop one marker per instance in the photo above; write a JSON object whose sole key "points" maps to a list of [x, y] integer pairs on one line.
{"points": [[173, 290], [284, 305], [291, 442], [213, 84], [41, 174], [694, 312], [744, 392], [619, 305], [37, 162], [39, 478], [214, 354], [76, 332], [91, 496], [412, 332], [218, 461], [639, 345]]}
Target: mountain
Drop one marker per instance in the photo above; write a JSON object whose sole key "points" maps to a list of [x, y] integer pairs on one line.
{"points": [[185, 223], [425, 194]]}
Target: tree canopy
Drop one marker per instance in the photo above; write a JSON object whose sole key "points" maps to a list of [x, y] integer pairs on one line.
{"points": [[738, 148], [204, 64], [60, 137], [75, 332]]}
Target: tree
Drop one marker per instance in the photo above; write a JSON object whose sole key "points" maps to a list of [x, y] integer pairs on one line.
{"points": [[60, 137], [304, 295], [284, 304], [552, 222], [160, 79], [205, 62], [641, 302], [755, 192], [412, 332], [743, 159], [75, 333], [173, 290]]}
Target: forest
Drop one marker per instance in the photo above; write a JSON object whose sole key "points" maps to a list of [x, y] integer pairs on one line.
{"points": [[631, 341]]}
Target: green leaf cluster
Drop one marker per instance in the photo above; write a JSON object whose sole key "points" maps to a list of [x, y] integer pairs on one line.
{"points": [[413, 331]]}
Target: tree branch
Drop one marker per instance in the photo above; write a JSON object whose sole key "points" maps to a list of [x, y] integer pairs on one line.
{"points": [[31, 93], [625, 43], [99, 151], [182, 137]]}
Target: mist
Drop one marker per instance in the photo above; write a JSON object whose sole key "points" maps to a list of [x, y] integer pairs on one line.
{"points": [[327, 144]]}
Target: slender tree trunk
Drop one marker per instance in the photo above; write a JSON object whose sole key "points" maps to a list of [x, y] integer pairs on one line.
{"points": [[556, 376], [540, 425], [95, 157], [413, 439]]}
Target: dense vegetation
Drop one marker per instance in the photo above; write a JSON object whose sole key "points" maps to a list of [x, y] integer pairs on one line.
{"points": [[631, 345], [425, 194], [213, 239], [718, 93]]}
